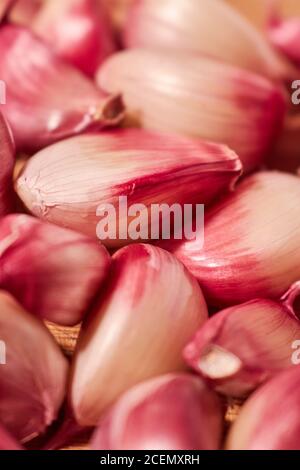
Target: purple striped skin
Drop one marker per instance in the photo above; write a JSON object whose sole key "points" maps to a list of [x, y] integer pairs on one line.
{"points": [[53, 272], [251, 248], [243, 346], [284, 35], [67, 182], [171, 412], [181, 93], [79, 31], [48, 99], [270, 419], [138, 328], [33, 379]]}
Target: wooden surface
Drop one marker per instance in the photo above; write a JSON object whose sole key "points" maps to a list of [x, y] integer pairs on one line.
{"points": [[66, 337]]}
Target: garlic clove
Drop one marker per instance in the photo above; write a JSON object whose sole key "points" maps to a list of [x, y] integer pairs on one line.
{"points": [[150, 308], [47, 99], [33, 372], [7, 442], [270, 419], [69, 182], [245, 345], [182, 93], [210, 28], [251, 247], [284, 35], [171, 412], [79, 31], [53, 272], [7, 162]]}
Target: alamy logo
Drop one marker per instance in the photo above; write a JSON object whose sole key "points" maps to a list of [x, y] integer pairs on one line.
{"points": [[296, 94], [140, 222], [2, 353]]}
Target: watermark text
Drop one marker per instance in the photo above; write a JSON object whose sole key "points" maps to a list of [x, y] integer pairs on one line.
{"points": [[139, 222]]}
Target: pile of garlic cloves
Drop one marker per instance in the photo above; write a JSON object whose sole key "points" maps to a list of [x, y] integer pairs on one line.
{"points": [[157, 102]]}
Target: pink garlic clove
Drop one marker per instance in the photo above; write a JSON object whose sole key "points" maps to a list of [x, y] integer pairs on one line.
{"points": [[284, 34], [33, 372], [54, 273], [7, 442], [7, 162], [209, 28], [47, 99], [245, 345], [270, 419], [149, 310], [172, 412], [251, 247], [69, 182], [78, 30], [182, 93]]}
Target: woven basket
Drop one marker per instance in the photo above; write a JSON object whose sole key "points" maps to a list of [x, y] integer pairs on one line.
{"points": [[67, 337]]}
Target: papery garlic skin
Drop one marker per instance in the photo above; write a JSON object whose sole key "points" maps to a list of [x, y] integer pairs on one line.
{"points": [[67, 182], [7, 162], [270, 419], [7, 442], [210, 28], [150, 309], [48, 99], [54, 273], [243, 346], [183, 93], [251, 248], [78, 30], [171, 412], [33, 379]]}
